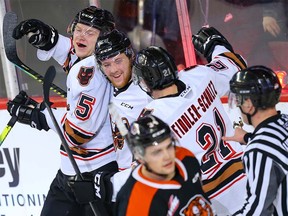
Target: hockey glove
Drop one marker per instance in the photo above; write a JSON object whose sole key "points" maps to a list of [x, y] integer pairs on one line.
{"points": [[83, 190], [39, 34], [206, 40], [23, 98], [89, 189], [103, 185], [27, 112]]}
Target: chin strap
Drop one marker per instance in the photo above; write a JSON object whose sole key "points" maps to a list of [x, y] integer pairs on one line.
{"points": [[249, 116]]}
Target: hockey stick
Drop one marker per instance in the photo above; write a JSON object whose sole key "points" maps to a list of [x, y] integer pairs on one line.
{"points": [[9, 23], [13, 120], [48, 79], [7, 129]]}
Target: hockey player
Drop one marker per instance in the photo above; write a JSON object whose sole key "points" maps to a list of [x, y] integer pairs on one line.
{"points": [[115, 56], [256, 91], [167, 181], [189, 102], [86, 123]]}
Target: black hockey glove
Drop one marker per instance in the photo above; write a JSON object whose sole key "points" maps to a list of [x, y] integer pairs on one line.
{"points": [[23, 98], [83, 190], [39, 34], [103, 185], [27, 111], [93, 188], [206, 40]]}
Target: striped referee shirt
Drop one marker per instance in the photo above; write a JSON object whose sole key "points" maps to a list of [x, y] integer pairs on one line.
{"points": [[266, 165]]}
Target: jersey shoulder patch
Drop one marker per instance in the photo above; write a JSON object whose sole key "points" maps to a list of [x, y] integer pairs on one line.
{"points": [[85, 74]]}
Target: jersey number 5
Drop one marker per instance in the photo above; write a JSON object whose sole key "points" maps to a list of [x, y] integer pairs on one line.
{"points": [[84, 107]]}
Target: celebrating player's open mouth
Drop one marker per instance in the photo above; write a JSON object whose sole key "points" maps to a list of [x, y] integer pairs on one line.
{"points": [[80, 45], [84, 40]]}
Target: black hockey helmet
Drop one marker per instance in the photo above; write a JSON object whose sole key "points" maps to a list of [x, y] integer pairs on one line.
{"points": [[111, 44], [147, 131], [95, 17], [156, 67], [258, 83]]}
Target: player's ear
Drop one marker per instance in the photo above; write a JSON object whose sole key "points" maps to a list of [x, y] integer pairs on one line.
{"points": [[138, 157]]}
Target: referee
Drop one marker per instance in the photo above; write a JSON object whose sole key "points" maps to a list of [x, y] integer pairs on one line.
{"points": [[256, 91]]}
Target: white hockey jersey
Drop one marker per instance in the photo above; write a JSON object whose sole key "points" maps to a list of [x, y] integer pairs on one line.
{"points": [[198, 119], [130, 100], [86, 124]]}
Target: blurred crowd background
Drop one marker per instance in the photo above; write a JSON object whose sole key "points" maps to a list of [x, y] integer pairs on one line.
{"points": [[257, 29]]}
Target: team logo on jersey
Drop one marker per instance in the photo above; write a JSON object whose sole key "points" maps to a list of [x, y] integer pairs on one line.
{"points": [[197, 205], [118, 139], [85, 75]]}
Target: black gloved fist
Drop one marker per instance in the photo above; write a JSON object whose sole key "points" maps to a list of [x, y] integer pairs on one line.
{"points": [[39, 34], [21, 99], [27, 111], [206, 40], [83, 190], [103, 185], [92, 188]]}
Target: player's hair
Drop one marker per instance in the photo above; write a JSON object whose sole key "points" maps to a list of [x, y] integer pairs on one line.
{"points": [[156, 67], [111, 44], [258, 83], [147, 131], [95, 17]]}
